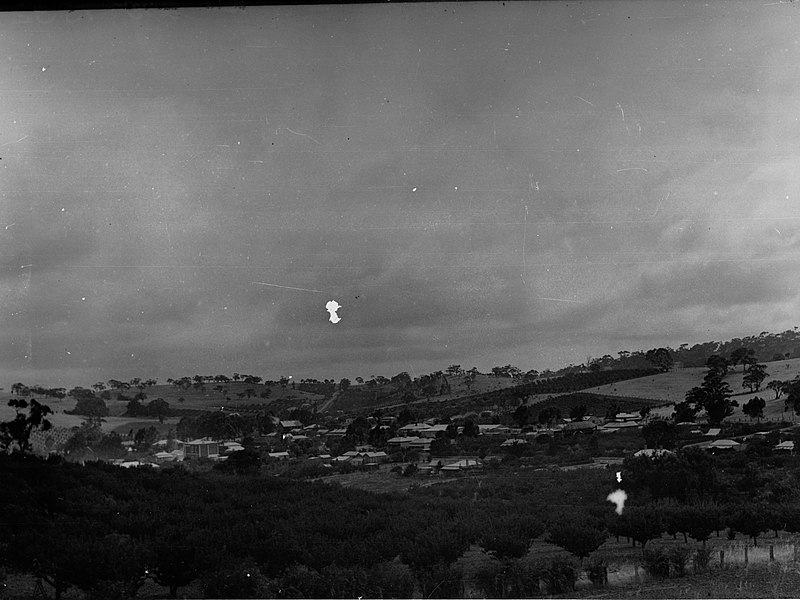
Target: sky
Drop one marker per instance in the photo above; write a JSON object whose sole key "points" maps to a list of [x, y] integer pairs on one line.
{"points": [[482, 184]]}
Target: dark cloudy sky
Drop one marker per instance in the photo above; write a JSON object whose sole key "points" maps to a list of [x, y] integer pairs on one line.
{"points": [[480, 184]]}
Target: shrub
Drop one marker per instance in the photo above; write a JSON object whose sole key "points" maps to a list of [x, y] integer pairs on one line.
{"points": [[390, 580], [701, 559], [662, 562], [560, 576], [524, 577], [597, 570], [656, 561], [243, 581], [678, 557]]}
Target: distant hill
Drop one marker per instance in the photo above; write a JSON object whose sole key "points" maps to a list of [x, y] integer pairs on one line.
{"points": [[505, 391]]}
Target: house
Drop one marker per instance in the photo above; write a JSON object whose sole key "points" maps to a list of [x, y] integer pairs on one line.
{"points": [[434, 431], [626, 416], [375, 458], [724, 446], [337, 433], [494, 429], [127, 464], [279, 455], [787, 446], [163, 457], [401, 442], [231, 446], [201, 448], [580, 427], [653, 452], [614, 426], [420, 444], [413, 428], [164, 443], [462, 465], [512, 442], [293, 424], [714, 431]]}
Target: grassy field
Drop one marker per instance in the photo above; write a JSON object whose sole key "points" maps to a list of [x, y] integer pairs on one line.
{"points": [[193, 399], [672, 387], [361, 397]]}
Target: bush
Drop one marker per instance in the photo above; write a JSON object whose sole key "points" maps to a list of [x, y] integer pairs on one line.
{"points": [[390, 580], [662, 562], [597, 570], [656, 561], [702, 557], [524, 576], [678, 559], [244, 581], [560, 576]]}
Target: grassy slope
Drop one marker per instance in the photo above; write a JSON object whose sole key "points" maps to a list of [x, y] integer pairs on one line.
{"points": [[206, 399], [482, 384], [672, 387]]}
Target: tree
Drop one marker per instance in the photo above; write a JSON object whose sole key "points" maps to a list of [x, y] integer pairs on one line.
{"points": [[580, 538], [174, 563], [777, 386], [470, 429], [741, 355], [158, 408], [659, 433], [577, 412], [792, 400], [390, 580], [661, 358], [15, 434], [685, 412], [713, 396], [243, 462], [521, 415], [754, 377], [751, 520], [642, 523], [701, 521], [549, 415], [145, 438], [453, 370], [717, 363], [612, 411], [344, 384], [90, 406], [755, 408]]}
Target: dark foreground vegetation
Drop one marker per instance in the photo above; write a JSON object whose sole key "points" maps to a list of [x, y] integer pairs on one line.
{"points": [[102, 532], [105, 530]]}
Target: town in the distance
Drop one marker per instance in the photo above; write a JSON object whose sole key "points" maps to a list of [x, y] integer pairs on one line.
{"points": [[500, 479]]}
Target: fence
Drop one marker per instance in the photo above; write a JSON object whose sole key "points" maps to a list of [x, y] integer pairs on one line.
{"points": [[743, 554]]}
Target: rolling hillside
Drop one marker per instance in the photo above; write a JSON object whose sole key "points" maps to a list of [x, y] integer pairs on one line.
{"points": [[672, 387], [206, 398]]}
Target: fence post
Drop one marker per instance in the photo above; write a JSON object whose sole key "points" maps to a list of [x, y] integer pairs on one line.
{"points": [[722, 558], [745, 555], [771, 552], [794, 546]]}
